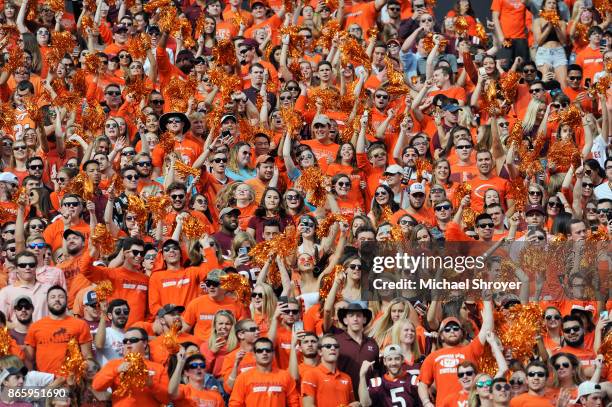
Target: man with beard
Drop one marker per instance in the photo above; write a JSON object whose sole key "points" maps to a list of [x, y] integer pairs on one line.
{"points": [[92, 169], [128, 280], [47, 339], [325, 385], [265, 385], [391, 388], [155, 390], [537, 374], [416, 207], [144, 167], [71, 210], [281, 328], [441, 366], [307, 343], [176, 284], [22, 311], [229, 224], [178, 124], [487, 179], [25, 285], [264, 176], [177, 191], [74, 243], [573, 339], [108, 341], [169, 317], [242, 358]]}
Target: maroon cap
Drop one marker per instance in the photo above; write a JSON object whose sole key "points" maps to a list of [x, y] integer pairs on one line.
{"points": [[536, 208]]}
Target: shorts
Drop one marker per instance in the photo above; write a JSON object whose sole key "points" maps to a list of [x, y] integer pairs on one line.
{"points": [[554, 57]]}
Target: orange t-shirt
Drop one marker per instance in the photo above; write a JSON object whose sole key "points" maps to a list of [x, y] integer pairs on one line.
{"points": [[329, 389], [480, 186], [247, 363], [512, 17], [362, 14], [454, 92], [455, 399], [159, 352], [323, 151], [204, 397], [200, 313], [591, 61], [529, 400], [188, 149], [271, 389], [49, 338], [440, 367]]}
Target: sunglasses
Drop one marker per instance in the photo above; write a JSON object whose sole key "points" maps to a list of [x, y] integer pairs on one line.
{"points": [[174, 121], [128, 153], [504, 124], [382, 193], [486, 225], [308, 224], [285, 98], [36, 245], [111, 93], [71, 204], [21, 307], [344, 184], [291, 312], [157, 102], [564, 365], [29, 265], [532, 91], [201, 201], [535, 193], [452, 328], [330, 346], [484, 383], [500, 387], [120, 312], [36, 167], [212, 284], [124, 56], [219, 160], [256, 295], [529, 71], [407, 223], [469, 373], [574, 78], [555, 317], [197, 365], [381, 96], [587, 185], [19, 148], [427, 20], [131, 340], [355, 266], [150, 256], [62, 179], [111, 126], [516, 382], [36, 226], [538, 374], [252, 329], [442, 208], [292, 197], [172, 247], [176, 197], [293, 88], [137, 253], [143, 164], [555, 204], [132, 177], [571, 329], [603, 210], [464, 147]]}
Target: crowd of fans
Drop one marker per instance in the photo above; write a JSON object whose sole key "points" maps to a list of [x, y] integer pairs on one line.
{"points": [[283, 140]]}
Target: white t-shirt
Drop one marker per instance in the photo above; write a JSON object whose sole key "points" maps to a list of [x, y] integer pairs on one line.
{"points": [[598, 151], [113, 346], [603, 191]]}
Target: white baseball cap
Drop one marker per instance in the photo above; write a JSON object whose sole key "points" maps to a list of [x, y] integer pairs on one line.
{"points": [[587, 388], [416, 188], [9, 177]]}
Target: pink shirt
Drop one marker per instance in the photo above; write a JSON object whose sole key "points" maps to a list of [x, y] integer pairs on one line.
{"points": [[45, 275], [37, 293]]}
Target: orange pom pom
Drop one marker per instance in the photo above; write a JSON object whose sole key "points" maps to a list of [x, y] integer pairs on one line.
{"points": [[571, 116], [137, 206], [239, 284], [193, 228], [183, 170], [292, 120], [92, 64], [5, 342], [518, 192], [93, 118], [135, 377], [563, 154], [313, 181], [550, 16], [328, 32], [82, 186], [353, 52], [170, 339], [422, 165], [481, 33], [103, 240], [158, 206], [326, 224], [224, 53], [74, 364], [8, 118], [396, 82], [138, 45], [104, 290], [461, 25]]}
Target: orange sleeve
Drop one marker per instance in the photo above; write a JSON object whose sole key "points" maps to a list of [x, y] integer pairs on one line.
{"points": [[154, 295], [105, 33], [16, 350], [105, 377], [238, 393], [496, 6], [309, 383], [427, 374]]}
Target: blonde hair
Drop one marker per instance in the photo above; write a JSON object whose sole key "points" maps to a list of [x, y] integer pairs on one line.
{"points": [[269, 302], [232, 340], [239, 239], [381, 328], [225, 197], [396, 331], [473, 399], [529, 121]]}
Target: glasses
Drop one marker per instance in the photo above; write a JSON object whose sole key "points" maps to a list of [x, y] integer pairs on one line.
{"points": [[355, 266], [111, 125], [464, 147], [419, 5], [528, 71], [19, 148], [256, 295], [157, 102], [393, 8], [29, 265], [538, 374], [113, 93], [405, 222], [263, 350], [150, 256], [177, 197], [132, 177], [137, 253], [201, 201], [197, 365], [291, 312], [452, 328], [37, 226], [532, 91], [587, 185], [307, 156], [244, 51], [555, 317], [293, 88], [564, 365], [555, 204], [468, 373], [211, 284], [131, 340], [427, 20], [601, 211], [484, 383], [128, 153], [591, 209], [174, 121], [379, 155], [61, 179], [21, 307], [130, 218], [381, 193], [36, 245], [219, 160], [516, 382], [252, 329], [143, 164], [500, 387], [11, 249], [285, 98], [442, 208], [36, 167], [292, 197], [121, 312], [330, 346], [486, 225], [574, 78], [437, 191], [308, 224], [535, 193], [344, 184], [504, 124], [381, 96], [172, 247], [123, 56], [71, 204], [571, 329]]}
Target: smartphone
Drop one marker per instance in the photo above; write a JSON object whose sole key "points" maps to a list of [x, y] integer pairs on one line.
{"points": [[603, 314], [603, 43], [297, 326], [482, 71], [531, 229], [243, 251], [225, 134], [587, 83]]}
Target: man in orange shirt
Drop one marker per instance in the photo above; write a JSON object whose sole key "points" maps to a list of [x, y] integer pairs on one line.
{"points": [[280, 333], [178, 124], [307, 343], [169, 317], [537, 374], [573, 339], [466, 373], [201, 311], [326, 385], [487, 179], [240, 359], [575, 90], [47, 339], [591, 58], [71, 211], [155, 390], [264, 172], [265, 385], [440, 366], [416, 208], [322, 146], [441, 77], [120, 37]]}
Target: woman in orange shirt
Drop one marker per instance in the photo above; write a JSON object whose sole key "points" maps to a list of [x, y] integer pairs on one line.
{"points": [[552, 323], [221, 342], [442, 176], [341, 191], [18, 160], [346, 163], [263, 306], [383, 206], [568, 376]]}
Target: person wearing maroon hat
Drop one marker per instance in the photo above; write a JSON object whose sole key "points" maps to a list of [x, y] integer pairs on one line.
{"points": [[440, 366]]}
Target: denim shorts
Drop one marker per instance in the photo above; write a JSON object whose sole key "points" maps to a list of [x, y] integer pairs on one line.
{"points": [[554, 57]]}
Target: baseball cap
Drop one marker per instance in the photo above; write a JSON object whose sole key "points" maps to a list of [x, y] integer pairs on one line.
{"points": [[322, 119], [227, 211], [253, 2], [392, 350], [69, 232], [451, 107], [153, 29], [10, 371], [9, 177], [169, 308], [250, 42], [264, 158], [449, 320], [536, 208], [587, 388], [394, 169], [169, 242], [215, 275], [91, 298], [23, 298], [228, 117], [417, 187]]}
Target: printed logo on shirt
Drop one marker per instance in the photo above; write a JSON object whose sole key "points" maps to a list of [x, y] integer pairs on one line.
{"points": [[206, 317]]}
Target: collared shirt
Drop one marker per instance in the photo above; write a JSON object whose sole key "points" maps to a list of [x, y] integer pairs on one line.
{"points": [[329, 389], [352, 355], [37, 293]]}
